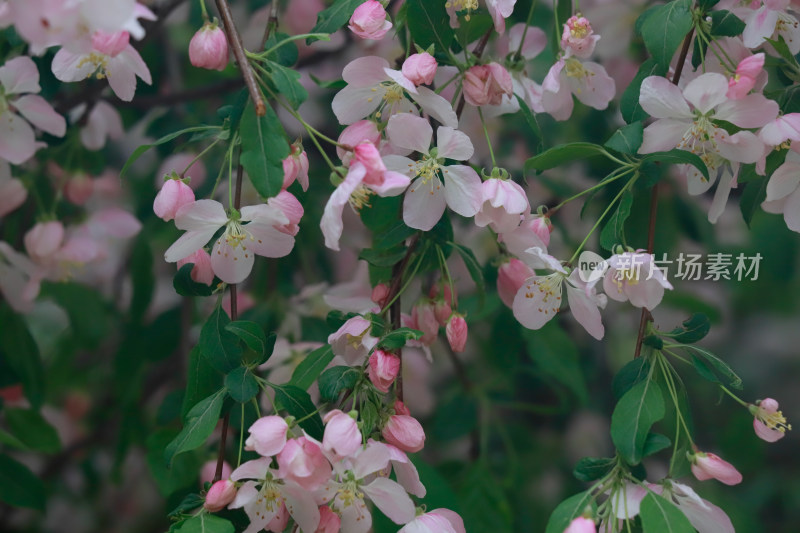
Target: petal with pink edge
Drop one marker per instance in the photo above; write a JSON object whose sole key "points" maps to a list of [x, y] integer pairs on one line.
{"points": [[707, 91], [19, 75], [585, 311], [424, 204], [660, 98], [752, 111], [231, 264], [784, 181], [391, 499], [17, 140], [331, 222], [69, 66], [462, 189], [663, 134], [351, 104], [201, 215], [538, 301], [453, 144], [410, 132], [41, 114], [791, 211], [365, 71], [436, 106]]}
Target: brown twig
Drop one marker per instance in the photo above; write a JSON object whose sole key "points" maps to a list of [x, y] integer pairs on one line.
{"points": [[647, 317], [235, 41]]}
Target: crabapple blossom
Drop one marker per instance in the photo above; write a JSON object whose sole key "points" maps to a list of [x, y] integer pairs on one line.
{"points": [[707, 466], [420, 68], [267, 435], [342, 436], [744, 79], [436, 521], [292, 209], [523, 87], [510, 277], [209, 48], [301, 460], [369, 21], [380, 293], [405, 432], [634, 276], [252, 231], [19, 81], [295, 167], [456, 331], [372, 87], [588, 81], [423, 318], [504, 204], [768, 422], [103, 122], [500, 10], [220, 495], [12, 192], [173, 195], [578, 38], [202, 271], [425, 201], [783, 128], [383, 369], [783, 192], [487, 84], [769, 20], [353, 340], [533, 232], [581, 524]]}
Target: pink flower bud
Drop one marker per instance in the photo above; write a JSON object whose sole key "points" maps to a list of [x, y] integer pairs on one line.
{"points": [[383, 369], [581, 525], [209, 468], [424, 318], [173, 195], [768, 422], [405, 432], [542, 227], [487, 84], [400, 408], [379, 294], [369, 21], [79, 188], [329, 522], [342, 435], [302, 461], [267, 436], [12, 192], [744, 79], [43, 240], [420, 69], [367, 154], [110, 44], [578, 37], [201, 271], [209, 48], [442, 310], [707, 465], [219, 495], [457, 333], [291, 207], [295, 166], [354, 134], [510, 277]]}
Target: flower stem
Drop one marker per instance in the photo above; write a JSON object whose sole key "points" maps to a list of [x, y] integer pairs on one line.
{"points": [[486, 133]]}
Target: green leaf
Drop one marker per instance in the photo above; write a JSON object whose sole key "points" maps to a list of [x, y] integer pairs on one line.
{"points": [[654, 443], [10, 440], [189, 502], [556, 357], [202, 380], [568, 510], [591, 468], [186, 286], [335, 380], [264, 147], [563, 153], [484, 503], [614, 231], [298, 403], [678, 157], [241, 384], [383, 258], [199, 424], [311, 367], [530, 118], [473, 267], [398, 338], [286, 54], [142, 277], [455, 418], [662, 516], [754, 193], [165, 139], [635, 413], [33, 430], [629, 375], [732, 379], [706, 5], [664, 31], [206, 523], [218, 345], [629, 102], [394, 235], [694, 329], [726, 24], [21, 353], [287, 81], [429, 24], [627, 139], [251, 333], [331, 19], [88, 311], [19, 486]]}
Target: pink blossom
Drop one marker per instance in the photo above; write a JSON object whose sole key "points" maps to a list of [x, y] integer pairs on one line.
{"points": [[420, 68], [457, 333], [342, 436], [78, 188], [588, 81], [173, 195], [12, 192], [379, 294], [405, 432], [329, 522], [626, 500], [783, 128], [635, 276], [769, 21], [353, 340], [220, 495], [267, 435], [373, 86], [504, 203], [783, 192], [425, 201], [768, 422], [202, 272], [295, 167], [436, 521], [442, 311], [301, 460], [581, 524], [354, 134], [209, 48], [578, 38], [103, 122], [500, 10], [707, 466], [423, 317], [19, 76], [510, 277], [255, 230], [533, 232], [487, 84], [744, 79], [383, 369], [43, 240], [279, 521], [292, 209], [369, 21]]}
